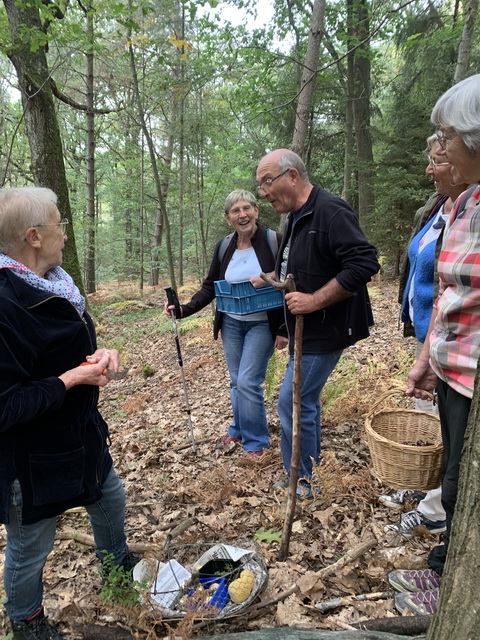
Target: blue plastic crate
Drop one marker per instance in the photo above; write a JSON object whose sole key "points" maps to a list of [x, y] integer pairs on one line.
{"points": [[241, 298]]}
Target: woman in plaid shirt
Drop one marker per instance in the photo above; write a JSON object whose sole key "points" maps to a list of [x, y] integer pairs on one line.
{"points": [[448, 361]]}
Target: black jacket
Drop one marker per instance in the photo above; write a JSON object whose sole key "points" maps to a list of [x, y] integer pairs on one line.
{"points": [[217, 270], [326, 242], [54, 441]]}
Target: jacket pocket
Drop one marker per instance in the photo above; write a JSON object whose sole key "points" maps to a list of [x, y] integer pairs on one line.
{"points": [[56, 477]]}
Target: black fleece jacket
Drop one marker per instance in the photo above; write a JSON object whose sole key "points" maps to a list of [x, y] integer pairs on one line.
{"points": [[217, 270], [54, 441], [326, 242]]}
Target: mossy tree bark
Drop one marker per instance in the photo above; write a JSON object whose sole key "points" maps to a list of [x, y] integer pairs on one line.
{"points": [[458, 614], [28, 56]]}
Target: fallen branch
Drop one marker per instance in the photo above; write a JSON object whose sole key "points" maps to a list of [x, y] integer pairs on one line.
{"points": [[88, 541], [405, 625], [350, 556], [135, 547], [187, 446], [328, 605], [127, 506]]}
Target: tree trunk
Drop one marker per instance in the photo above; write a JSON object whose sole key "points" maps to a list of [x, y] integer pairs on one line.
{"points": [[90, 280], [471, 12], [41, 122], [458, 614], [307, 82], [161, 221], [359, 26]]}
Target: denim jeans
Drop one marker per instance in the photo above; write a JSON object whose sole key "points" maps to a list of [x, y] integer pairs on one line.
{"points": [[28, 546], [247, 347], [315, 370]]}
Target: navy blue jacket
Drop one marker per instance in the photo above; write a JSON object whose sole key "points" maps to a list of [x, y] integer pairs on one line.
{"points": [[326, 242], [54, 441]]}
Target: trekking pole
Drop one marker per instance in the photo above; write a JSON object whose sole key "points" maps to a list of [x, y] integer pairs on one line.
{"points": [[173, 301]]}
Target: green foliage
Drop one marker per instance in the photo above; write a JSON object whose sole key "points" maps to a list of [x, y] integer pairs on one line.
{"points": [[338, 383], [118, 587], [275, 372], [223, 95], [268, 535], [194, 323], [148, 371]]}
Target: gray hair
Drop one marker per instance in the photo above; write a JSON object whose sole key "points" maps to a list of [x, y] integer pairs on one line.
{"points": [[459, 108], [21, 208], [431, 141], [290, 160], [236, 196]]}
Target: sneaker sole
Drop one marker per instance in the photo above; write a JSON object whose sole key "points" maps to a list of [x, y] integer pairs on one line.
{"points": [[409, 534]]}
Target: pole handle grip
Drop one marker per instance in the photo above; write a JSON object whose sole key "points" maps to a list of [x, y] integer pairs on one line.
{"points": [[173, 300]]}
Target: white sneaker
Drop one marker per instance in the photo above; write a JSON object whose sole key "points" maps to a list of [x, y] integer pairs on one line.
{"points": [[399, 499]]}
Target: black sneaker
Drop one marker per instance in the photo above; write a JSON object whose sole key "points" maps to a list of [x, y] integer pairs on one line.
{"points": [[37, 628], [129, 561]]}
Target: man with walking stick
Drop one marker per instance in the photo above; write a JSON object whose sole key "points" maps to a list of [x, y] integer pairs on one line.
{"points": [[331, 262]]}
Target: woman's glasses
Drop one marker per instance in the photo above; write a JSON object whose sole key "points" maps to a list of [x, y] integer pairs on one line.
{"points": [[62, 225]]}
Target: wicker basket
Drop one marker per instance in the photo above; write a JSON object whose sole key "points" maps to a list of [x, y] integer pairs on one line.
{"points": [[398, 465]]}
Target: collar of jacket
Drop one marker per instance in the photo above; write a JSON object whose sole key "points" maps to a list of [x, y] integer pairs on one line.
{"points": [[27, 296], [308, 204]]}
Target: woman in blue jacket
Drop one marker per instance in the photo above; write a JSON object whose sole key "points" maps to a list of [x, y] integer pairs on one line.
{"points": [[53, 441]]}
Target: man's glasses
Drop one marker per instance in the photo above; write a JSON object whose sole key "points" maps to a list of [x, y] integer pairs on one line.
{"points": [[269, 181], [62, 225], [434, 162]]}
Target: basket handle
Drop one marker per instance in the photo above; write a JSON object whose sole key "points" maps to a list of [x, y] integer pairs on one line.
{"points": [[386, 395]]}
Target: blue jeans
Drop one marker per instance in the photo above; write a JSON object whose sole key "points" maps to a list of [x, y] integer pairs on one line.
{"points": [[247, 347], [315, 370], [28, 546]]}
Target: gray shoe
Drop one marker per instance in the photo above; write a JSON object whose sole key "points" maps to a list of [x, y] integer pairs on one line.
{"points": [[408, 522], [399, 499], [37, 628]]}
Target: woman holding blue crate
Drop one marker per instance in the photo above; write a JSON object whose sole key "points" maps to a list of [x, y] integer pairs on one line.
{"points": [[248, 340]]}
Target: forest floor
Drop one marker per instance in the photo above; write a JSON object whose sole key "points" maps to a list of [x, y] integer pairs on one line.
{"points": [[229, 499]]}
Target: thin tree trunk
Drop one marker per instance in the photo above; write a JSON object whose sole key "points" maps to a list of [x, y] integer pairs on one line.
{"points": [[359, 27], [464, 50], [41, 122], [307, 83], [90, 280], [161, 221]]}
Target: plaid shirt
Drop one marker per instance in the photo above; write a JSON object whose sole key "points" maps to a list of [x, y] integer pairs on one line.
{"points": [[455, 339]]}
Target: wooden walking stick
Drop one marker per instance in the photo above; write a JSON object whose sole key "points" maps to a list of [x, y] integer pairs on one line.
{"points": [[289, 286]]}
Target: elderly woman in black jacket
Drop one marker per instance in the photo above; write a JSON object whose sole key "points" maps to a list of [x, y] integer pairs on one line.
{"points": [[248, 340], [53, 441]]}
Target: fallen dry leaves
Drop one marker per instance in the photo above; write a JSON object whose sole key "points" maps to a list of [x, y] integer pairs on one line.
{"points": [[231, 500]]}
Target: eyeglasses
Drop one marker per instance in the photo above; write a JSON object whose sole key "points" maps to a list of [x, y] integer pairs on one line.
{"points": [[443, 138], [436, 164], [269, 181], [62, 225]]}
